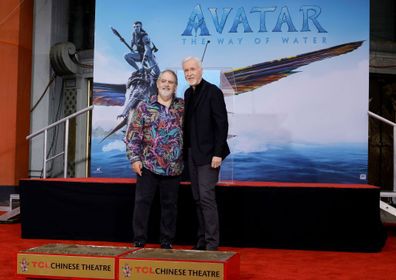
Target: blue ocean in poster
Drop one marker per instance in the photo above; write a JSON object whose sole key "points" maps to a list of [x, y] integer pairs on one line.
{"points": [[300, 163]]}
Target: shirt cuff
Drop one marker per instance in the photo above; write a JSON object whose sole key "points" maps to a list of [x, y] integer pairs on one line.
{"points": [[135, 159]]}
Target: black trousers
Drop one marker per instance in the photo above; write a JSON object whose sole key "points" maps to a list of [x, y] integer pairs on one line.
{"points": [[146, 187], [203, 183]]}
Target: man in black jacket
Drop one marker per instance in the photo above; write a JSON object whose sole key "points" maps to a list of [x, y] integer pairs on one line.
{"points": [[205, 142]]}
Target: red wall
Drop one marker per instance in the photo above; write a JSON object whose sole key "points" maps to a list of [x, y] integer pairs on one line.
{"points": [[16, 25]]}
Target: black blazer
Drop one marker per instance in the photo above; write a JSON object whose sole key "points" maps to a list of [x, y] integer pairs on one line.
{"points": [[206, 123]]}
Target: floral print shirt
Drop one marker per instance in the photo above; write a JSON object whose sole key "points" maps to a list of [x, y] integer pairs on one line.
{"points": [[155, 136]]}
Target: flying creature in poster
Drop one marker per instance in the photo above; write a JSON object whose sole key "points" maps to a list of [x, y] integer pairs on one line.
{"points": [[141, 84]]}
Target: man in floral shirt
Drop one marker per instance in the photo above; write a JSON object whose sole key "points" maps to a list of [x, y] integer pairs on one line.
{"points": [[154, 142]]}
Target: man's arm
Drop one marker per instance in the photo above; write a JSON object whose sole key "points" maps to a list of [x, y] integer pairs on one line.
{"points": [[134, 135], [220, 119]]}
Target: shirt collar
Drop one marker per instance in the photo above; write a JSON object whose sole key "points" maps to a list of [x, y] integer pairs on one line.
{"points": [[198, 87], [154, 99]]}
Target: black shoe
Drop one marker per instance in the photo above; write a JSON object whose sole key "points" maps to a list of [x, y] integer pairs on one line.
{"points": [[199, 247], [166, 245], [139, 244], [211, 248]]}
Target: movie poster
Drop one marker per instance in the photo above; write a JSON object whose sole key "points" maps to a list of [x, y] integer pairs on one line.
{"points": [[294, 75]]}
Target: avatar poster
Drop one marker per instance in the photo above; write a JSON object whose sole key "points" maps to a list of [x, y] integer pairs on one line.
{"points": [[294, 75]]}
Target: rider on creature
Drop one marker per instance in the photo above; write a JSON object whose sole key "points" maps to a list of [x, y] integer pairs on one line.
{"points": [[144, 50]]}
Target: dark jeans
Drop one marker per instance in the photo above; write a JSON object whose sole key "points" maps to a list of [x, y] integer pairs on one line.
{"points": [[203, 183], [146, 188]]}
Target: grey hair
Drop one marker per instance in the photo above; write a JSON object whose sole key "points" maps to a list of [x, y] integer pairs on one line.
{"points": [[196, 59], [170, 72]]}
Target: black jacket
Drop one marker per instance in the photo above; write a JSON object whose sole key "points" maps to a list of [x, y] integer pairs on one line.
{"points": [[206, 123]]}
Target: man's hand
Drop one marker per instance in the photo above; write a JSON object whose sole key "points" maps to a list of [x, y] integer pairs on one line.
{"points": [[216, 162], [137, 167]]}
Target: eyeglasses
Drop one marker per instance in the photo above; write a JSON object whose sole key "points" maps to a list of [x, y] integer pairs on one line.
{"points": [[169, 81]]}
